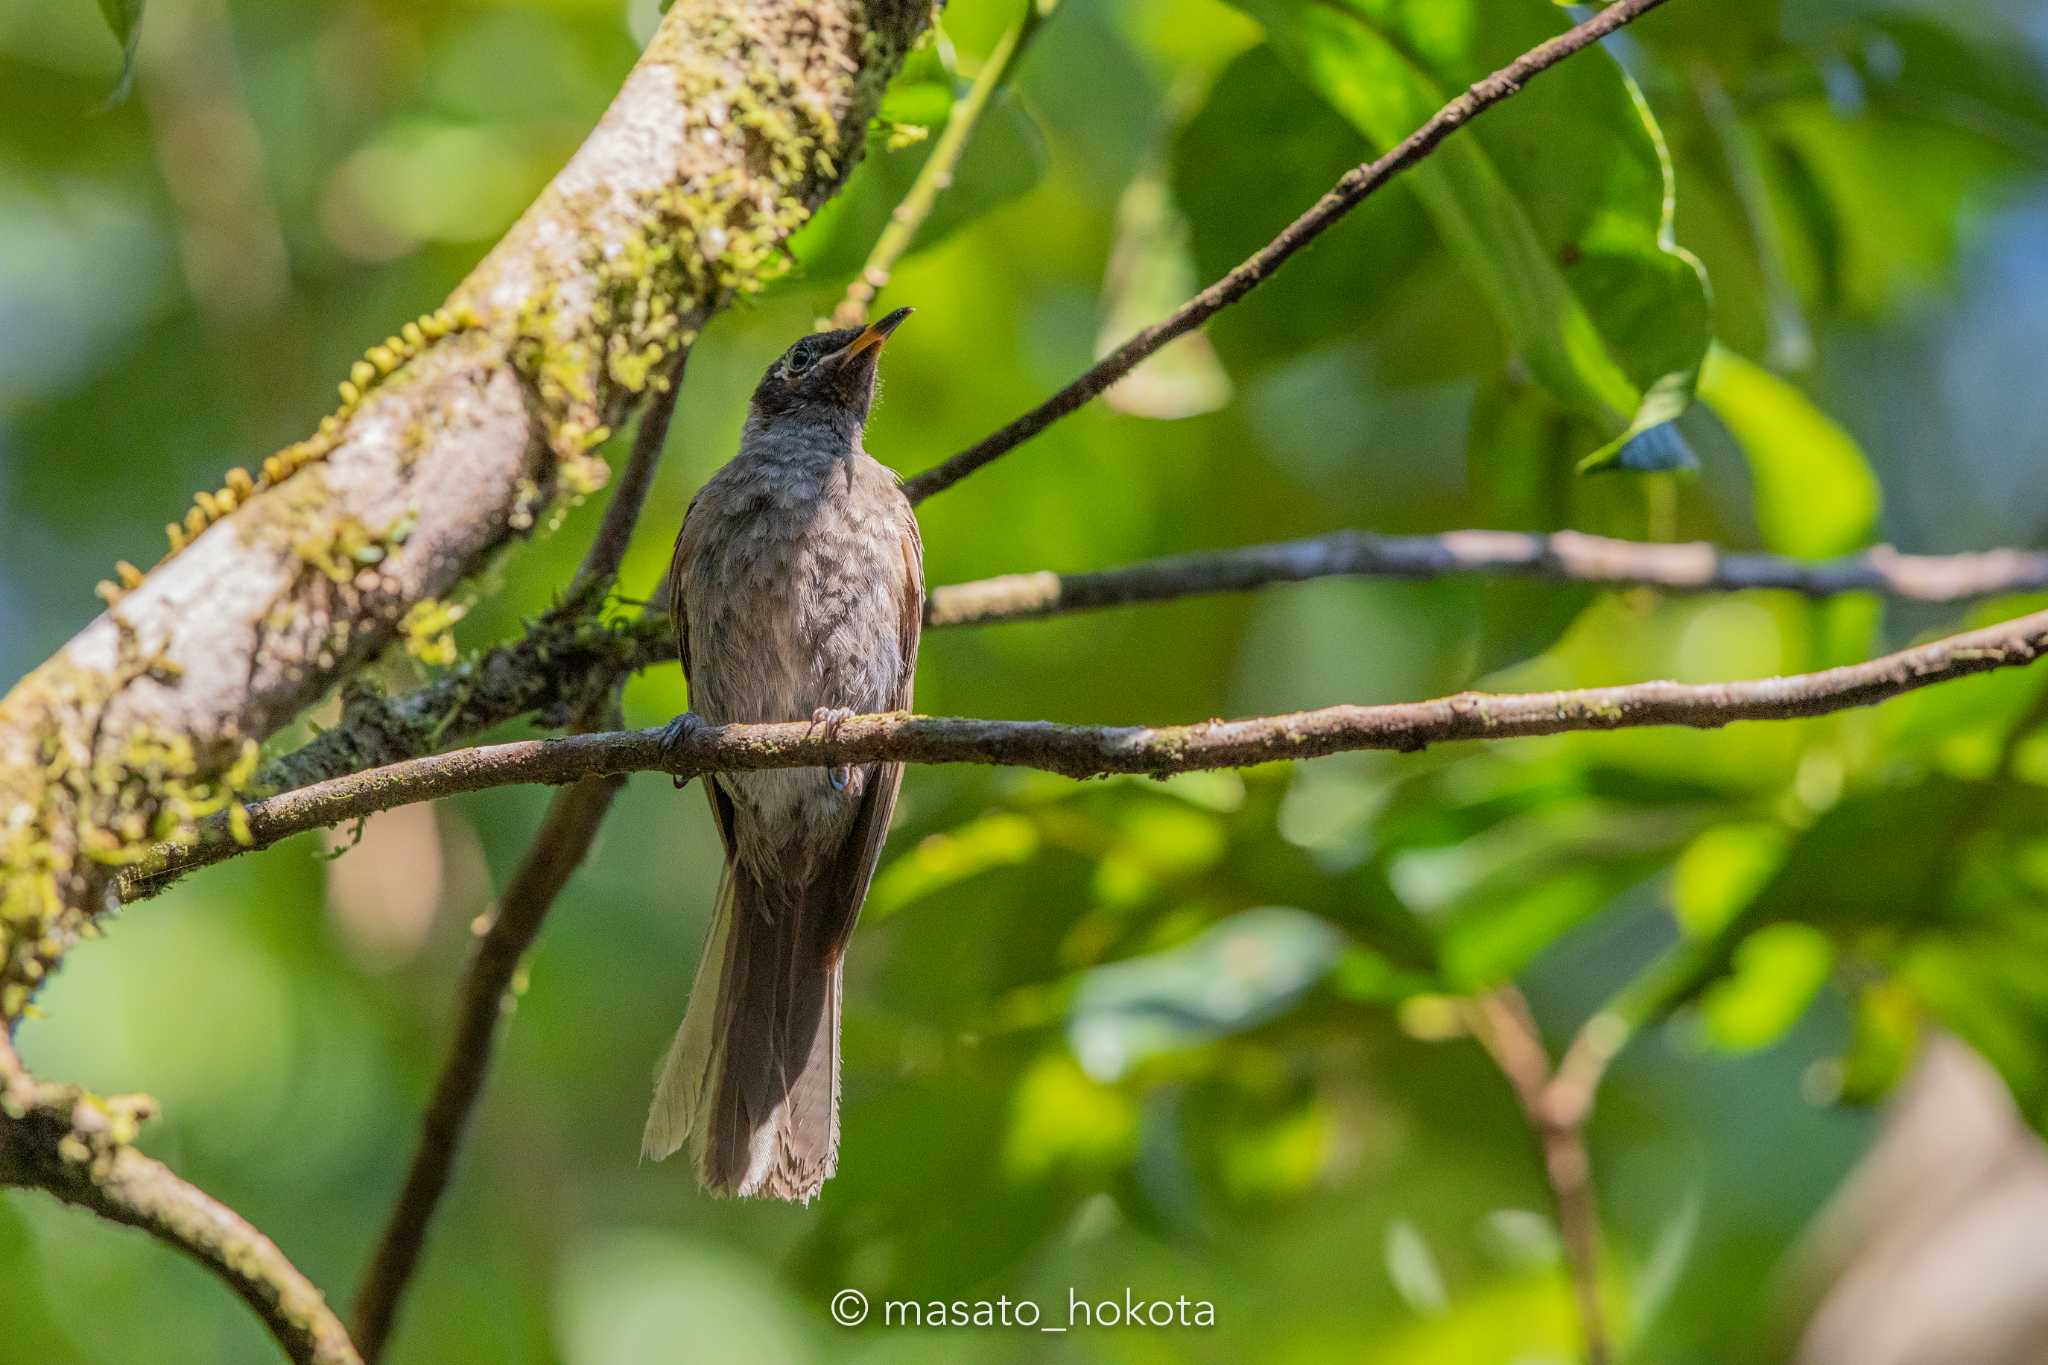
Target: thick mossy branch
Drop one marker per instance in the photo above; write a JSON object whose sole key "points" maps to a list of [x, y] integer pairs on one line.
{"points": [[453, 439]]}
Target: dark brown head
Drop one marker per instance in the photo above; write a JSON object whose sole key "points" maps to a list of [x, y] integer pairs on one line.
{"points": [[827, 379]]}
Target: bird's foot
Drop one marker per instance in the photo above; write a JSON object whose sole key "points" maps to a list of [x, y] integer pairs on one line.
{"points": [[831, 717], [678, 735], [845, 780]]}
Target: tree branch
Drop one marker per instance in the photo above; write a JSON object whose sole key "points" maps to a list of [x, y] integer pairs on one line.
{"points": [[629, 493], [936, 175], [1354, 188], [1500, 1020], [76, 1146], [452, 438], [565, 837], [558, 849], [569, 657], [1093, 750], [1560, 557]]}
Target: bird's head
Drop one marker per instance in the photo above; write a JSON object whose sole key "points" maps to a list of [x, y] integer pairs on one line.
{"points": [[827, 378]]}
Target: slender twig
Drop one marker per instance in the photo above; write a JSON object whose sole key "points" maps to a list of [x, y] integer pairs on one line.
{"points": [[936, 175], [1501, 1022], [629, 492], [1093, 750], [564, 839], [1350, 191], [536, 674], [76, 1146], [1561, 557]]}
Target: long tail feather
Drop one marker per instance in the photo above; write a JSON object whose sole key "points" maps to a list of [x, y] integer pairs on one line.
{"points": [[752, 1079], [683, 1083]]}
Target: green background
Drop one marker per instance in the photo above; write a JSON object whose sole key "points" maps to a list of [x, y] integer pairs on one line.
{"points": [[1186, 1038]]}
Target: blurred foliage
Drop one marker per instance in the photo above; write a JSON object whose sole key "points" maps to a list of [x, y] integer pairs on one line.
{"points": [[1186, 1037]]}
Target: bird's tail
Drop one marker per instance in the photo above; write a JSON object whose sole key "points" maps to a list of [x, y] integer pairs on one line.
{"points": [[752, 1079]]}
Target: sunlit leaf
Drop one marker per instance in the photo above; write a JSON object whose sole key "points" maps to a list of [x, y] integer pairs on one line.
{"points": [[1412, 1269], [1065, 1119], [1150, 273], [999, 839], [1559, 207], [1281, 1158], [1721, 871], [1815, 492], [124, 17], [1777, 972], [1236, 975]]}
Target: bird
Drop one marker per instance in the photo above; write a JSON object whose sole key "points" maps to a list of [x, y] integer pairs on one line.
{"points": [[797, 593]]}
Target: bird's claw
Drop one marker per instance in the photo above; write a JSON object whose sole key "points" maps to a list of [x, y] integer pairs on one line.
{"points": [[677, 736], [831, 717]]}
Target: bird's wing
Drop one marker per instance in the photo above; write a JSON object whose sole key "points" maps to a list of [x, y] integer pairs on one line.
{"points": [[678, 609], [854, 867], [679, 619]]}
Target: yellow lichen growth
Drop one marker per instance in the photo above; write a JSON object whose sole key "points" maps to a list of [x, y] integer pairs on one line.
{"points": [[103, 793], [378, 363], [696, 245], [343, 548], [428, 631]]}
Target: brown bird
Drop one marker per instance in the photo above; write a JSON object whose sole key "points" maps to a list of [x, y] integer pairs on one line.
{"points": [[797, 593]]}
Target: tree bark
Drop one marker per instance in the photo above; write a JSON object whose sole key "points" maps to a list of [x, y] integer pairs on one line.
{"points": [[453, 439]]}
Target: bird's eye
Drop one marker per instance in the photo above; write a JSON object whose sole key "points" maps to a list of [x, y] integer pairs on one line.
{"points": [[799, 361]]}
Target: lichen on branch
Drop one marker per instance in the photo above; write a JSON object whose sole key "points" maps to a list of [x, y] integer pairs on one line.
{"points": [[453, 440]]}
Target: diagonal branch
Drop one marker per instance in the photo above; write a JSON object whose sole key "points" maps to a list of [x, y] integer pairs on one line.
{"points": [[1353, 189], [1501, 1022], [77, 1147], [936, 175], [558, 849], [1094, 750], [629, 493]]}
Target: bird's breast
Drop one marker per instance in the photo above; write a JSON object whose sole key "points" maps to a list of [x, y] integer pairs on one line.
{"points": [[794, 593]]}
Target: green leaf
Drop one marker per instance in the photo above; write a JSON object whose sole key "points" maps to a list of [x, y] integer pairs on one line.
{"points": [[1235, 975], [1558, 206], [1256, 141], [124, 17], [1721, 871], [1778, 971], [1150, 272], [1815, 493], [1005, 158]]}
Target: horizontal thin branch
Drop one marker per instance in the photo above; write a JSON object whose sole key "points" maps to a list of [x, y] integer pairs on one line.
{"points": [[564, 662], [1353, 189], [1094, 750], [1561, 556]]}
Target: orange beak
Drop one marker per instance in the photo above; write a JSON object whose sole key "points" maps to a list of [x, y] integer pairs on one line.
{"points": [[875, 335]]}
